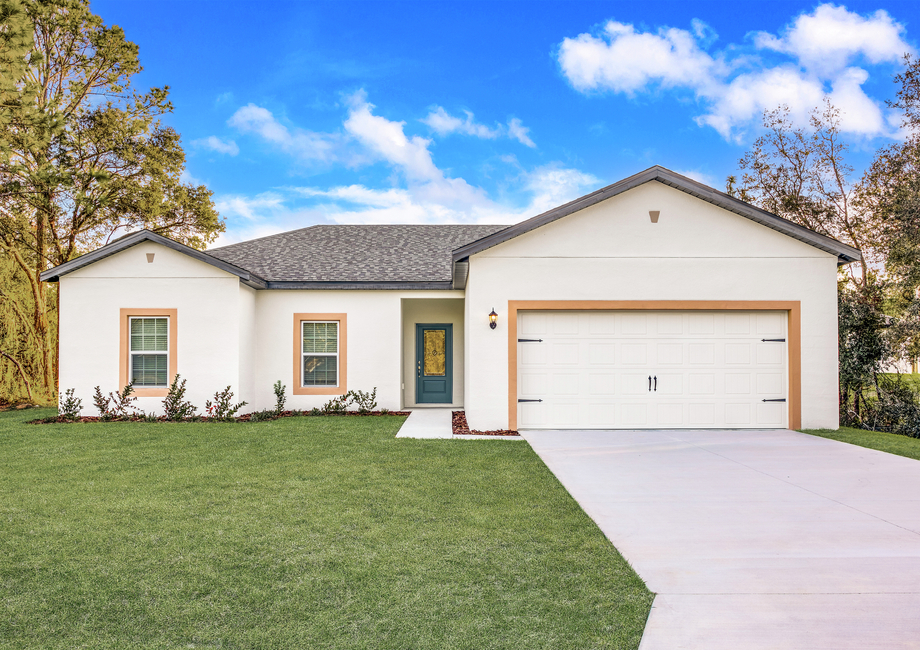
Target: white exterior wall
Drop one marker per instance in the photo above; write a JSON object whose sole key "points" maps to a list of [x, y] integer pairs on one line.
{"points": [[612, 251], [247, 337], [374, 338], [439, 311], [207, 301]]}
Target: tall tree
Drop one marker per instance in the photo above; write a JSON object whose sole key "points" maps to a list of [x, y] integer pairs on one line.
{"points": [[802, 174], [83, 156]]}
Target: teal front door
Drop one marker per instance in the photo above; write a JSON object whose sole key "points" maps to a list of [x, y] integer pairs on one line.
{"points": [[434, 364]]}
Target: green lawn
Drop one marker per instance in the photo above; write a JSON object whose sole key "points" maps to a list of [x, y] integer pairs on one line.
{"points": [[298, 533], [890, 442]]}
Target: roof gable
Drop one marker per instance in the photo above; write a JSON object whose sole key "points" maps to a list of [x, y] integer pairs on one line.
{"points": [[135, 238], [843, 252]]}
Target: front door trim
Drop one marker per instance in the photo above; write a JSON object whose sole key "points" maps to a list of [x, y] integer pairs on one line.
{"points": [[448, 359], [792, 307]]}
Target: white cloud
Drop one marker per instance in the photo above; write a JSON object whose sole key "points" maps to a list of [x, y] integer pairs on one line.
{"points": [[699, 176], [826, 40], [421, 192], [322, 147], [443, 123], [734, 87], [519, 132], [214, 143], [623, 60]]}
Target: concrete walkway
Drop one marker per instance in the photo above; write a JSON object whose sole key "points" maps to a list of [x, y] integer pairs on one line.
{"points": [[754, 539], [427, 423]]}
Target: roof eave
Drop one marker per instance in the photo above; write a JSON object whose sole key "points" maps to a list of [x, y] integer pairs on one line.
{"points": [[135, 238], [843, 252]]}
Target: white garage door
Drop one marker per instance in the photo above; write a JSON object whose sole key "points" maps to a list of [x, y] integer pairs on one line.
{"points": [[652, 370]]}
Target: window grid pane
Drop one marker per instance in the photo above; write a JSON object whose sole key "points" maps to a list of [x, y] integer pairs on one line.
{"points": [[321, 338], [319, 370], [149, 334], [149, 369]]}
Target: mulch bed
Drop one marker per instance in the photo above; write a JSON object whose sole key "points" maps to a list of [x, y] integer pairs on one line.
{"points": [[461, 428], [242, 418]]}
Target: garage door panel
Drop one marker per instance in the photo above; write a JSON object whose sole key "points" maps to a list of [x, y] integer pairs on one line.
{"points": [[669, 414], [602, 383], [771, 324], [701, 414], [701, 324], [592, 369], [566, 384], [633, 323], [701, 354], [533, 355], [601, 413], [602, 353], [738, 415], [635, 414], [772, 354], [633, 354], [533, 384], [737, 324], [565, 324], [771, 414], [670, 384], [633, 384], [738, 353], [602, 323], [669, 324], [669, 354], [532, 415], [565, 354], [770, 384], [534, 324], [738, 383]]}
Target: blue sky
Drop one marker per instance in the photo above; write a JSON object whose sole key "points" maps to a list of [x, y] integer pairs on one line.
{"points": [[297, 113]]}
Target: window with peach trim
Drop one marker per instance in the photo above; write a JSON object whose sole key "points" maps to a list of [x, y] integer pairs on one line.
{"points": [[320, 354], [129, 356]]}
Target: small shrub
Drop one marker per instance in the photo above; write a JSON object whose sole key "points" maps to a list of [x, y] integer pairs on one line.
{"points": [[123, 403], [280, 397], [149, 417], [337, 405], [220, 408], [174, 405], [384, 411], [70, 406], [102, 405], [316, 411], [262, 416], [366, 402]]}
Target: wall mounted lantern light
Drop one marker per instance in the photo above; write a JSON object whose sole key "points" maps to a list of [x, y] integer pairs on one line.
{"points": [[493, 319]]}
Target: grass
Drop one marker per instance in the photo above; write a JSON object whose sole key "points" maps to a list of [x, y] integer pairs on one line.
{"points": [[298, 533], [889, 442]]}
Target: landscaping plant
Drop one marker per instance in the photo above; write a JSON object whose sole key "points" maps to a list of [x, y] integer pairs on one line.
{"points": [[70, 406], [123, 403], [280, 397], [175, 407], [102, 405], [337, 405], [221, 408], [366, 402]]}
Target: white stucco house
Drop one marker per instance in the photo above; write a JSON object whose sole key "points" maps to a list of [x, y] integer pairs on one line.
{"points": [[656, 302]]}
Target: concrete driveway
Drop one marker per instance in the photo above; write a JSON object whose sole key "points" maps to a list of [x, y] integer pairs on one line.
{"points": [[754, 539]]}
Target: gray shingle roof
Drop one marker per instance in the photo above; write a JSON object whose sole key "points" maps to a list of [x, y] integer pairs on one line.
{"points": [[344, 253]]}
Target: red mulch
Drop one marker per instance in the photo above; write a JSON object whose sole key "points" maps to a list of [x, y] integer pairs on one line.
{"points": [[242, 418], [461, 428]]}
